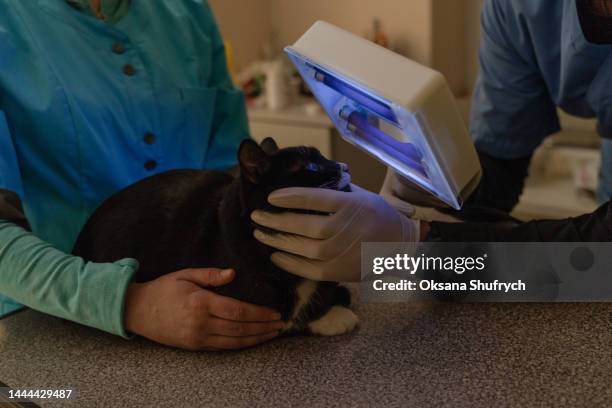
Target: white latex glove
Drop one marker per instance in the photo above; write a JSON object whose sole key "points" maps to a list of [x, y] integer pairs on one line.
{"points": [[398, 188], [328, 247]]}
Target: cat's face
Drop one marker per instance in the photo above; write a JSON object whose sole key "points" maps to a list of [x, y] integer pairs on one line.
{"points": [[265, 168]]}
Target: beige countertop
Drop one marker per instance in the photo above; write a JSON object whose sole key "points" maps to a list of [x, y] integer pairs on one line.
{"points": [[412, 354]]}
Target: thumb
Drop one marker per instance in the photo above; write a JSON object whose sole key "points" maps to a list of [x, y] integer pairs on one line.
{"points": [[207, 276]]}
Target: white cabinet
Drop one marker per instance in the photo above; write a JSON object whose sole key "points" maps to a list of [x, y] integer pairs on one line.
{"points": [[291, 135]]}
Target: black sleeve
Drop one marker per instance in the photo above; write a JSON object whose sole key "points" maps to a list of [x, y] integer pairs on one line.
{"points": [[501, 184], [593, 227], [11, 210]]}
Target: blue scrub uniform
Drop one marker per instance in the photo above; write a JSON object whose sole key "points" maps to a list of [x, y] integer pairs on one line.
{"points": [[534, 58], [87, 108]]}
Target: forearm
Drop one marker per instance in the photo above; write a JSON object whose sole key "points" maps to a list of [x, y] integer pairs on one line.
{"points": [[596, 226], [37, 275], [501, 184]]}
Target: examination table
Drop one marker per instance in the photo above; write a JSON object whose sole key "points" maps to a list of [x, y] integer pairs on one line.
{"points": [[410, 354]]}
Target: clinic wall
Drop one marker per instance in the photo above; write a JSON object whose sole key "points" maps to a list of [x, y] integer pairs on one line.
{"points": [[407, 23], [440, 33], [472, 41], [246, 24], [455, 41], [443, 34], [469, 61], [448, 32]]}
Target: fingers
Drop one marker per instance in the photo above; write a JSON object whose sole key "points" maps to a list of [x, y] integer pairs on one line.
{"points": [[341, 204], [308, 225], [402, 206], [231, 343], [408, 191], [232, 328], [232, 309], [317, 199], [206, 277], [298, 265], [296, 244]]}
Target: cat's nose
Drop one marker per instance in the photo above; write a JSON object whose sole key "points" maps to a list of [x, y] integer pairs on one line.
{"points": [[344, 167]]}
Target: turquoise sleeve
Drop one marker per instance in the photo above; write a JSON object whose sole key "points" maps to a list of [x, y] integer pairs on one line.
{"points": [[230, 124], [34, 273]]}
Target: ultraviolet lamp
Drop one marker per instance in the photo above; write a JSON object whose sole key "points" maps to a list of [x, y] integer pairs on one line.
{"points": [[397, 110]]}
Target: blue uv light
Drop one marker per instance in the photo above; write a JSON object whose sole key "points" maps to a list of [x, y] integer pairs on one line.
{"points": [[356, 94], [406, 153]]}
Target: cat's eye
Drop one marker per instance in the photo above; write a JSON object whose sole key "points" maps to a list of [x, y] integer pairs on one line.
{"points": [[312, 167]]}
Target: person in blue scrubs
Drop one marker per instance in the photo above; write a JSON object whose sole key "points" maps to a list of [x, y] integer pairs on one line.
{"points": [[535, 56], [94, 96]]}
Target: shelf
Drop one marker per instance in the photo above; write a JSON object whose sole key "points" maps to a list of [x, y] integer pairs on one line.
{"points": [[294, 115]]}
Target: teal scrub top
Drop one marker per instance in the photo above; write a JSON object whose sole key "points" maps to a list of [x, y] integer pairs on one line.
{"points": [[111, 10], [534, 58], [88, 108]]}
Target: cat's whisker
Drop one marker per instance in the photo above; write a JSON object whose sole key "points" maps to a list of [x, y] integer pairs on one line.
{"points": [[330, 184]]}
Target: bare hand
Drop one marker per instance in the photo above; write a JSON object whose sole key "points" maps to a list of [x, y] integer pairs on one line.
{"points": [[175, 310]]}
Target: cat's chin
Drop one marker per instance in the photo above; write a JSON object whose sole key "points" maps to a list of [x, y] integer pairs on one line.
{"points": [[345, 182]]}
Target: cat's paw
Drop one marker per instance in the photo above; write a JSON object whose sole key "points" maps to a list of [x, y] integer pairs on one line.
{"points": [[338, 320]]}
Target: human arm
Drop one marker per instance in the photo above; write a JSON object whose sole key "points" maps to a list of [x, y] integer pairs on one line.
{"points": [[175, 310], [512, 111], [35, 274], [324, 247], [592, 227], [500, 187], [501, 183]]}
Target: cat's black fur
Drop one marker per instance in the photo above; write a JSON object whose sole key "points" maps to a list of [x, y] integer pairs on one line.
{"points": [[196, 218]]}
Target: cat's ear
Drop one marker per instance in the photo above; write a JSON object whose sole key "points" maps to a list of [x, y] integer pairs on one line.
{"points": [[269, 146], [254, 162]]}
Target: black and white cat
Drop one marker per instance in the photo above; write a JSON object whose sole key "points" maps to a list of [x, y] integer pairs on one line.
{"points": [[197, 218]]}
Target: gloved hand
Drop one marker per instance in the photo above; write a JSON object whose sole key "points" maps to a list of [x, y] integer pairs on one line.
{"points": [[328, 247], [412, 201], [397, 189]]}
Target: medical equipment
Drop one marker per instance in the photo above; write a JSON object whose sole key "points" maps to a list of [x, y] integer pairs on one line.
{"points": [[399, 111]]}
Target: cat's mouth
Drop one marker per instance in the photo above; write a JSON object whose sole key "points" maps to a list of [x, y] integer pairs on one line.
{"points": [[341, 181]]}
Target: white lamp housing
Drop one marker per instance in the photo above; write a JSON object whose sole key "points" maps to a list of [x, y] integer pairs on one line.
{"points": [[399, 111]]}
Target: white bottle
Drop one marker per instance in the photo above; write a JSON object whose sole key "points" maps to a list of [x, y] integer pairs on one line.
{"points": [[277, 86]]}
